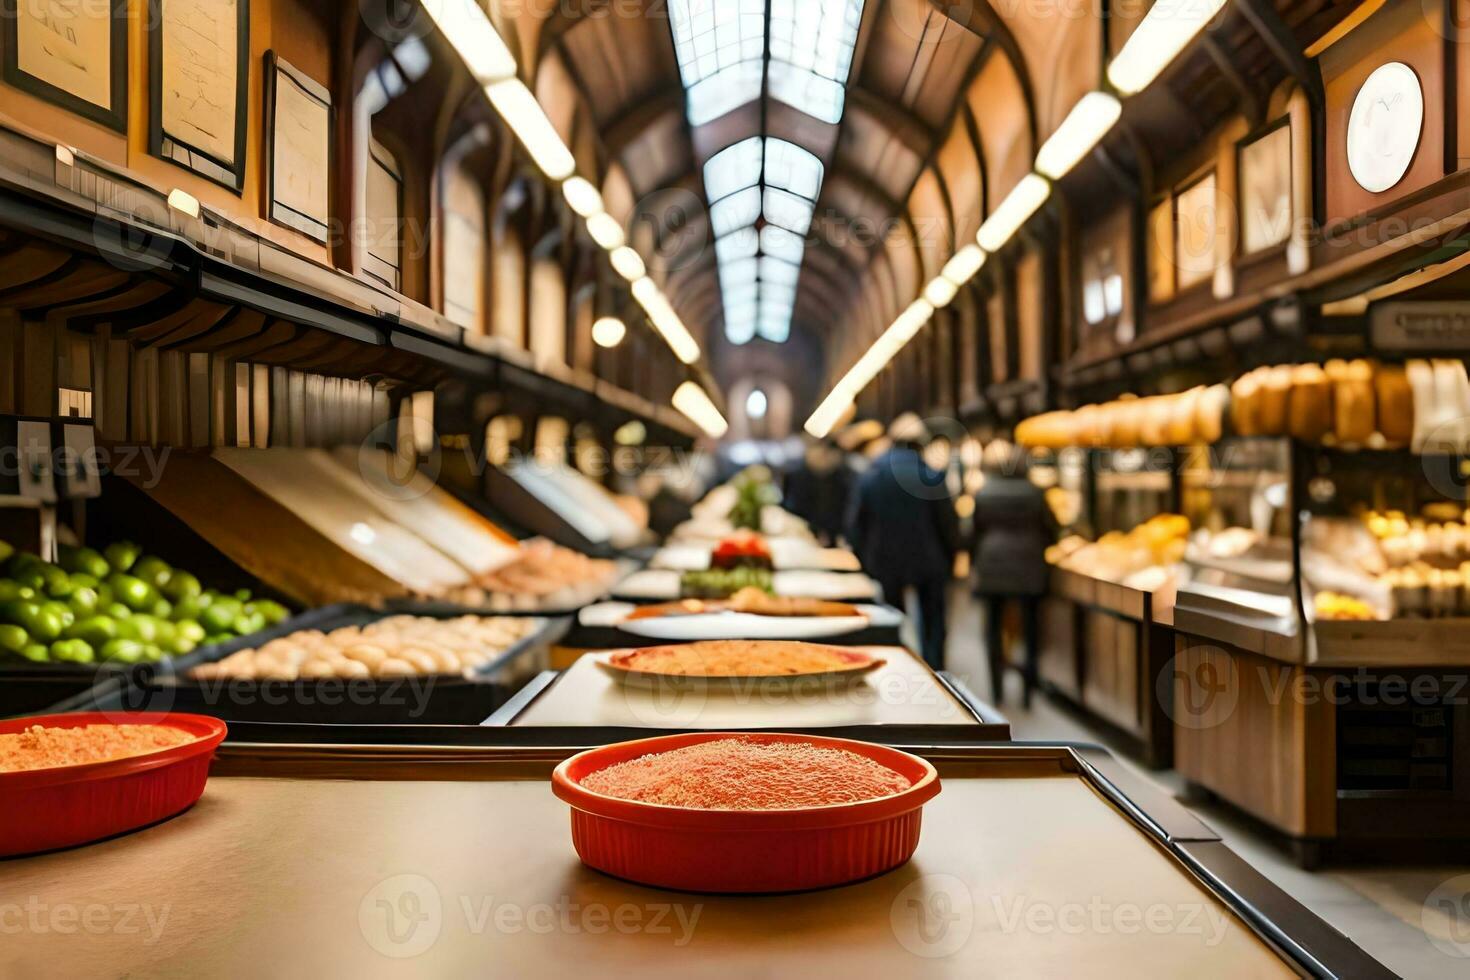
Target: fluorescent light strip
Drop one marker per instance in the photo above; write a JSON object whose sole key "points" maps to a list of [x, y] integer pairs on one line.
{"points": [[628, 263], [1085, 126], [605, 230], [1164, 31], [963, 265], [1020, 204], [582, 197], [692, 400], [523, 114], [665, 320], [940, 291], [468, 30], [845, 392]]}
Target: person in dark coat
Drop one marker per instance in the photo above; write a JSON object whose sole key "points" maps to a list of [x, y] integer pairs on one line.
{"points": [[903, 527], [1013, 527], [817, 490]]}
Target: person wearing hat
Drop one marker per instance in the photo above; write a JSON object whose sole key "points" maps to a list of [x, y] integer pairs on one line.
{"points": [[903, 527], [1013, 526]]}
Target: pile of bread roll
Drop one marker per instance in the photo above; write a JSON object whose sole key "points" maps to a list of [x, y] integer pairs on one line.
{"points": [[1118, 555], [1360, 403], [1187, 418], [393, 647], [1347, 403]]}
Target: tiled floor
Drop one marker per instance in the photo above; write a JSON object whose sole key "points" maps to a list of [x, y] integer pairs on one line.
{"points": [[1383, 910]]}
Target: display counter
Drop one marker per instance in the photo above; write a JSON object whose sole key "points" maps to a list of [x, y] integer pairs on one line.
{"points": [[901, 700], [443, 862]]}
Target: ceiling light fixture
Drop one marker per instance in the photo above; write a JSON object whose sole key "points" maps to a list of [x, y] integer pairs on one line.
{"points": [[665, 320], [940, 291], [963, 265], [468, 30], [1164, 31], [692, 400], [628, 263], [1020, 204], [608, 331], [582, 197], [1085, 126], [524, 115], [605, 230]]}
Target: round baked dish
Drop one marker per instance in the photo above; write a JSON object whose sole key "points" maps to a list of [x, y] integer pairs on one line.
{"points": [[63, 805], [733, 661], [743, 850]]}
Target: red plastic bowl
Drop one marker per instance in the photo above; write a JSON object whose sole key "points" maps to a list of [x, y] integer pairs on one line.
{"points": [[43, 809], [748, 851]]}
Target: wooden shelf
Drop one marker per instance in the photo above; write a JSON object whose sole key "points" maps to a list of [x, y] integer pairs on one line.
{"points": [[127, 228]]}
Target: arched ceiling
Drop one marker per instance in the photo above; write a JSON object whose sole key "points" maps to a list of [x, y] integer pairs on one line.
{"points": [[945, 104]]}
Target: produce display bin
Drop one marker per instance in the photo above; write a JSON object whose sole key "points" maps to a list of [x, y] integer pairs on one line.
{"points": [[406, 700]]}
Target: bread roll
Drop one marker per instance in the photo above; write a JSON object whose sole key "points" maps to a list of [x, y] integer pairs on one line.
{"points": [[1275, 394], [1394, 402], [1209, 415], [1310, 408], [1126, 422], [1354, 419], [1088, 425], [1245, 404], [1154, 427], [1050, 430], [1181, 431]]}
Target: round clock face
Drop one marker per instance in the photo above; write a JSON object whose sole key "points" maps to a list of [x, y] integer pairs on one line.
{"points": [[1383, 130]]}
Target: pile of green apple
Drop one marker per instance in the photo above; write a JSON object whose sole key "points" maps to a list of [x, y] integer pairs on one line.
{"points": [[118, 605]]}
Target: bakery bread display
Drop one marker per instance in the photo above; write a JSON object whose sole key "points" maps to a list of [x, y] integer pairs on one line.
{"points": [[1352, 404]]}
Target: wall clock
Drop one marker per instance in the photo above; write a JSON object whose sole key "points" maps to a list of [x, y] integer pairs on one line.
{"points": [[1383, 129]]}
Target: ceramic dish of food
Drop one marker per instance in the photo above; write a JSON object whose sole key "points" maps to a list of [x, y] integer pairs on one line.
{"points": [[733, 812], [736, 661], [75, 778], [749, 614]]}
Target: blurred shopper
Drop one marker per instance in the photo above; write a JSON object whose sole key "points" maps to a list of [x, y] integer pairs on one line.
{"points": [[903, 526], [1013, 527], [817, 489]]}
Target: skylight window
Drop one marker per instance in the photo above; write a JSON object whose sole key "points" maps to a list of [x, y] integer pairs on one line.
{"points": [[735, 211], [787, 210], [720, 46], [762, 191], [811, 53], [782, 244], [735, 167], [739, 244], [792, 168]]}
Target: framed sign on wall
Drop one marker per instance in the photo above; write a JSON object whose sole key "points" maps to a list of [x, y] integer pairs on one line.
{"points": [[73, 53], [1195, 223], [198, 72], [1265, 188], [298, 127]]}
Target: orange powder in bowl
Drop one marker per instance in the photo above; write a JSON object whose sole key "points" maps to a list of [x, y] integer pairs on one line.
{"points": [[744, 774], [38, 747]]}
